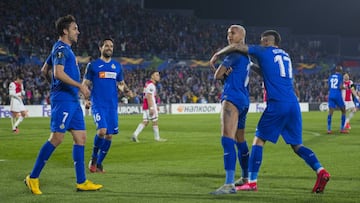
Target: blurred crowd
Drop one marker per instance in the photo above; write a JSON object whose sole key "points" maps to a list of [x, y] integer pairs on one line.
{"points": [[27, 29], [179, 84]]}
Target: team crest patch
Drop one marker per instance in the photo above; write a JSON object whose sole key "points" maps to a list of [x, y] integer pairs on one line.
{"points": [[62, 126], [113, 66], [59, 55]]}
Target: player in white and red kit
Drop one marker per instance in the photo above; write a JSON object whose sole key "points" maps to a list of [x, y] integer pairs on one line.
{"points": [[17, 107], [348, 93], [150, 109]]}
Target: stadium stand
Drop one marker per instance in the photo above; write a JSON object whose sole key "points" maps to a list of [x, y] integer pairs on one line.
{"points": [[176, 43]]}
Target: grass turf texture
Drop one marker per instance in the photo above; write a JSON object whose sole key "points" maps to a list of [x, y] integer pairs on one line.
{"points": [[185, 168]]}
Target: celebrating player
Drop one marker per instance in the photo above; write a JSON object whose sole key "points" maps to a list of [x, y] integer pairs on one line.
{"points": [[282, 114], [105, 76], [66, 113], [234, 107]]}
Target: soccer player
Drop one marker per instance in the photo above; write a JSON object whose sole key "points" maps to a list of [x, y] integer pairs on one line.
{"points": [[105, 76], [234, 71], [336, 85], [17, 107], [348, 93], [66, 113], [150, 109], [282, 114]]}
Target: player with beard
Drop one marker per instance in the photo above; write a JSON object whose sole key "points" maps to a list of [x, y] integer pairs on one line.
{"points": [[105, 77]]}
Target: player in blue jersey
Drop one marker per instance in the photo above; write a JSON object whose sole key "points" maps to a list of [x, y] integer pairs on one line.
{"points": [[336, 85], [105, 76], [282, 114], [234, 107], [66, 113]]}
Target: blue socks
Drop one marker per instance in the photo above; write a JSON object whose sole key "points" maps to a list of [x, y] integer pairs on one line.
{"points": [[103, 150], [343, 118], [78, 156], [329, 122], [255, 162], [309, 157], [98, 142], [45, 152], [243, 156], [229, 159]]}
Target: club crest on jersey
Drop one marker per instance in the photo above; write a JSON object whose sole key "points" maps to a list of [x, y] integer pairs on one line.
{"points": [[113, 66]]}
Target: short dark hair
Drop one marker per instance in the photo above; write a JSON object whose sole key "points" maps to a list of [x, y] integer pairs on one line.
{"points": [[338, 68], [273, 33], [152, 72], [101, 42], [19, 76], [64, 23]]}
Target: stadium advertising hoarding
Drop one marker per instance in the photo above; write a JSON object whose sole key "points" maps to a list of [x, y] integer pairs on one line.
{"points": [[45, 110], [216, 108]]}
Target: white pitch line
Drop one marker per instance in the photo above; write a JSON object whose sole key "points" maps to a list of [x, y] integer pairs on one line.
{"points": [[313, 133], [2, 160]]}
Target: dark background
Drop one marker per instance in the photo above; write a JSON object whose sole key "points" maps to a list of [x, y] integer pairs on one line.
{"points": [[332, 17]]}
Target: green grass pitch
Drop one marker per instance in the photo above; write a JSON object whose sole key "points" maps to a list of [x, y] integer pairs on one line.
{"points": [[185, 168]]}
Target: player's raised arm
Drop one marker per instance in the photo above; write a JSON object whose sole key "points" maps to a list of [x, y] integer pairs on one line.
{"points": [[243, 48]]}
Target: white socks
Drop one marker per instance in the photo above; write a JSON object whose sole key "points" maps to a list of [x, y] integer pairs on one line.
{"points": [[19, 120], [156, 132], [138, 130]]}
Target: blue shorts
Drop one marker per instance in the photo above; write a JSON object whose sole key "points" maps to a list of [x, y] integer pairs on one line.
{"points": [[243, 110], [106, 118], [281, 118], [66, 116], [336, 102]]}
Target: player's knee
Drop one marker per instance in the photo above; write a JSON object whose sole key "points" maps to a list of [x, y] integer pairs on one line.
{"points": [[108, 137], [56, 139], [102, 132], [296, 147]]}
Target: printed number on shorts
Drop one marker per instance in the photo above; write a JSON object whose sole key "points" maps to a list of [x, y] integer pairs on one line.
{"points": [[66, 114], [97, 117]]}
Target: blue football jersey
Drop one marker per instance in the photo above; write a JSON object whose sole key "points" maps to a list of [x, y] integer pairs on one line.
{"points": [[104, 77], [335, 81], [62, 54], [236, 83], [276, 67]]}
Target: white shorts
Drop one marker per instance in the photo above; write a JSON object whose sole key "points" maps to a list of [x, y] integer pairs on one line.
{"points": [[349, 105], [146, 115], [17, 105]]}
